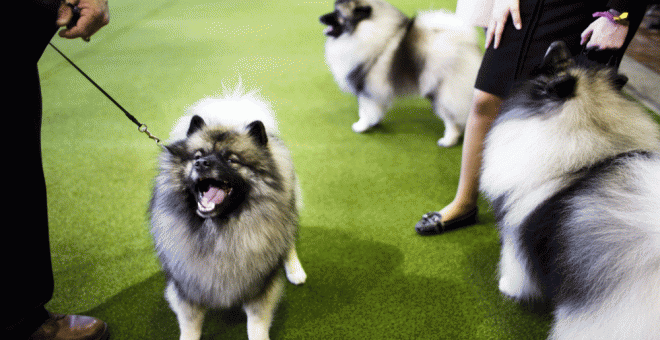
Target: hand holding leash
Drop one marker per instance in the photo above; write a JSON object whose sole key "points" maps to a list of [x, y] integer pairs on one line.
{"points": [[82, 18]]}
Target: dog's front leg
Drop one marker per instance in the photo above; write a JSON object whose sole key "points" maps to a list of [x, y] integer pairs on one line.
{"points": [[293, 268], [190, 317], [260, 311], [371, 112], [515, 279]]}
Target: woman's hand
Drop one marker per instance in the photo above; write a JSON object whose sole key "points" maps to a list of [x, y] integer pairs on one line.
{"points": [[501, 11], [604, 34]]}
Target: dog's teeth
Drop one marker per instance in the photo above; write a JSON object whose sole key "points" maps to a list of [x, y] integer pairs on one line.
{"points": [[211, 198], [205, 206]]}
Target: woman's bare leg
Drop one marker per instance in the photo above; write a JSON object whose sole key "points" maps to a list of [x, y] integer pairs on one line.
{"points": [[485, 108]]}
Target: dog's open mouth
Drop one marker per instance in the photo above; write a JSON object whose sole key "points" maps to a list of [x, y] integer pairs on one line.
{"points": [[334, 28], [211, 194]]}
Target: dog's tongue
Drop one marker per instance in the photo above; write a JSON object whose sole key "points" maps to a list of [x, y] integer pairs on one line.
{"points": [[330, 31], [212, 197]]}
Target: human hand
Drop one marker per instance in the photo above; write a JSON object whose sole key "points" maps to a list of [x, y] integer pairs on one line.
{"points": [[604, 34], [94, 14], [501, 11]]}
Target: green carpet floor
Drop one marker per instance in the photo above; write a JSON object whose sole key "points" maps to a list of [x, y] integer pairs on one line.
{"points": [[369, 275]]}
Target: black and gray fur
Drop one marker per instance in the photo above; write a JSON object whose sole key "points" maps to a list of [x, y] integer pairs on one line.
{"points": [[224, 216], [377, 53], [572, 169]]}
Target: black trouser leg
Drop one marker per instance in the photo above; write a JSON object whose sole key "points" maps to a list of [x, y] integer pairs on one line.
{"points": [[27, 274]]}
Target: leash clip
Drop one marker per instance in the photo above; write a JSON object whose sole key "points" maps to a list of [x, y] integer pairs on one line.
{"points": [[143, 128]]}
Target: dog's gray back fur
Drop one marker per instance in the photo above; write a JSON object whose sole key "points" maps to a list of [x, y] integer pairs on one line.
{"points": [[390, 54]]}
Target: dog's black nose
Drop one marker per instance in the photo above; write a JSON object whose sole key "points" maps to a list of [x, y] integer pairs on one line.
{"points": [[329, 19], [203, 163]]}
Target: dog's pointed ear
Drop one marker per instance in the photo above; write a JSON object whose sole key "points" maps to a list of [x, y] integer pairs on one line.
{"points": [[196, 123], [176, 149], [361, 13], [558, 57], [619, 81], [562, 87], [257, 131]]}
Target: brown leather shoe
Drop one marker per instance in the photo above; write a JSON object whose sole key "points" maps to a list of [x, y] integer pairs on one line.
{"points": [[71, 327]]}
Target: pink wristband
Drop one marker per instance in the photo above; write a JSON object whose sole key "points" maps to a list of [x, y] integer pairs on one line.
{"points": [[615, 18], [607, 15]]}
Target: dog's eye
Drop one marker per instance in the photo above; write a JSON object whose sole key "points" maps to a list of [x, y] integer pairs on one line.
{"points": [[198, 155], [233, 159]]}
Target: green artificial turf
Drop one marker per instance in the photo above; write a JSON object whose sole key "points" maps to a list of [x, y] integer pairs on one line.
{"points": [[369, 275]]}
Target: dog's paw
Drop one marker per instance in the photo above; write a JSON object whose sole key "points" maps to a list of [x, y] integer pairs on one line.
{"points": [[297, 277], [448, 141], [191, 335], [518, 288], [361, 126], [507, 288]]}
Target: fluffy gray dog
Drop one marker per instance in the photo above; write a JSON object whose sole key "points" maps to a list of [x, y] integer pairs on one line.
{"points": [[224, 214], [572, 169], [377, 53]]}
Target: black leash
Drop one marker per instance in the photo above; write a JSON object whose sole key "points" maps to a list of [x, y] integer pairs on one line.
{"points": [[141, 127]]}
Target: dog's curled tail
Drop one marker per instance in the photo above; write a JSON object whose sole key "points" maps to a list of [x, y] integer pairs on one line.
{"points": [[443, 20]]}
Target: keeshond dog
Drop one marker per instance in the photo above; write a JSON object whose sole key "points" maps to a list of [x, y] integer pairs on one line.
{"points": [[377, 53], [572, 170], [224, 213]]}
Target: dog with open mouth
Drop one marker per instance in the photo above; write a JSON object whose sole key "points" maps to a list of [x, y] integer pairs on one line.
{"points": [[377, 53], [224, 213]]}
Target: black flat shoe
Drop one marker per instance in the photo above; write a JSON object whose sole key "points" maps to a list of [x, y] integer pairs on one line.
{"points": [[431, 223]]}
